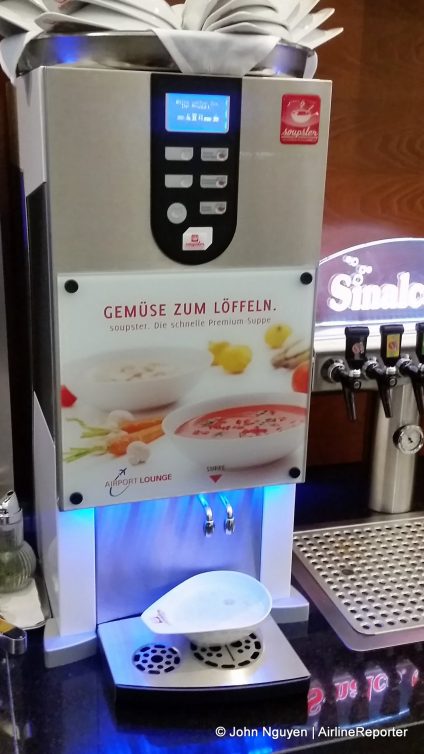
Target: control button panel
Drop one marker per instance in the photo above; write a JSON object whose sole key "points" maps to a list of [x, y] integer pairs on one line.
{"points": [[213, 208], [178, 181], [179, 154], [213, 181], [196, 120], [214, 154]]}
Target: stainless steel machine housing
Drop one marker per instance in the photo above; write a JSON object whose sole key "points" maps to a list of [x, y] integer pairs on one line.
{"points": [[84, 139]]}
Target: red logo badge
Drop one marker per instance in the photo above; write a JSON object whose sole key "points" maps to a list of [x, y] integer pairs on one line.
{"points": [[300, 116]]}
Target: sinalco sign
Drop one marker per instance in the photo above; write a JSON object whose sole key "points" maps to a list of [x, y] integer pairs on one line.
{"points": [[373, 282]]}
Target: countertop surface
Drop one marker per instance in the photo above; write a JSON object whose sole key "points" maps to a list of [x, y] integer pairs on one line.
{"points": [[70, 710]]}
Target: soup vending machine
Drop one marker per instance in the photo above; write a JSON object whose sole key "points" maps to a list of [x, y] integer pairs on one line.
{"points": [[174, 229]]}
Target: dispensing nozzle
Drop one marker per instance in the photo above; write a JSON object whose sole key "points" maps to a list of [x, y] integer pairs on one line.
{"points": [[385, 376], [229, 523], [415, 372], [209, 524], [350, 377]]}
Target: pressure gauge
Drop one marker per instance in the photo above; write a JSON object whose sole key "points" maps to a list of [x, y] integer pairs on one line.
{"points": [[409, 439]]}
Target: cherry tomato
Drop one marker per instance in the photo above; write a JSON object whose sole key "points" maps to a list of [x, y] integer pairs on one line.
{"points": [[67, 398], [300, 378]]}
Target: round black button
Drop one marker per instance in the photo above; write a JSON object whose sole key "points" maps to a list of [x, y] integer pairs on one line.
{"points": [[76, 498], [306, 278], [71, 286]]}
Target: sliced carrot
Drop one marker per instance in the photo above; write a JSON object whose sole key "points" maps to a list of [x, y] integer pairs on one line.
{"points": [[137, 425], [150, 433], [118, 445]]}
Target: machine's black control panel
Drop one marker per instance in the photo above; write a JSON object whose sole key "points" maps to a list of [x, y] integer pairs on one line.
{"points": [[195, 144]]}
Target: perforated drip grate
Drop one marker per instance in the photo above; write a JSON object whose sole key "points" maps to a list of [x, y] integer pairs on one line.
{"points": [[373, 573], [238, 654], [156, 659]]}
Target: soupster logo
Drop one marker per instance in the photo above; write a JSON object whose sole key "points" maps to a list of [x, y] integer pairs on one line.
{"points": [[300, 118]]}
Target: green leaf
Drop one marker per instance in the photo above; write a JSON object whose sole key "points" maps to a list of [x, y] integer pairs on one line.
{"points": [[90, 431], [74, 454]]}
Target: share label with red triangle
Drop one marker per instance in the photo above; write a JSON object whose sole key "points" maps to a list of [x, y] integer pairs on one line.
{"points": [[215, 477]]}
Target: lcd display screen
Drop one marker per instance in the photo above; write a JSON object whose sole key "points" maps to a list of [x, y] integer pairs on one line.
{"points": [[197, 113]]}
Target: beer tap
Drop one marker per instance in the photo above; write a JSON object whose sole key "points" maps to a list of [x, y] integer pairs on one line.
{"points": [[350, 376], [415, 372], [385, 376]]}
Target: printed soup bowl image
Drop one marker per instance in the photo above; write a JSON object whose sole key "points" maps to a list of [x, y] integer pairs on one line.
{"points": [[138, 379], [239, 431]]}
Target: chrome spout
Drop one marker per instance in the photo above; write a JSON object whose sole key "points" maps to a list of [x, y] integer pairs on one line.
{"points": [[385, 376], [209, 525], [229, 523], [349, 376]]}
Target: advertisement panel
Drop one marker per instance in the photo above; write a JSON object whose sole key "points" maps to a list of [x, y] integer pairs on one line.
{"points": [[175, 385]]}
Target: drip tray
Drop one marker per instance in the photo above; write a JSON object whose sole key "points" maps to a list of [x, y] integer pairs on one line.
{"points": [[367, 579], [140, 661]]}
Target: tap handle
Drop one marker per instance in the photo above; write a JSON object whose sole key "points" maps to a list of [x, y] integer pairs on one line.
{"points": [[419, 345], [418, 381], [356, 346], [349, 398], [385, 393], [391, 344]]}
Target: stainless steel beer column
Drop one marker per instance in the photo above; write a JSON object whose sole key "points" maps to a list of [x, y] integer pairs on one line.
{"points": [[6, 466]]}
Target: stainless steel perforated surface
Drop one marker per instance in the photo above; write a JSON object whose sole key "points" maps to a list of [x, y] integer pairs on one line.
{"points": [[238, 654], [266, 657], [373, 573], [155, 659]]}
